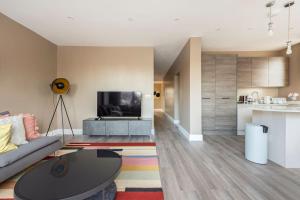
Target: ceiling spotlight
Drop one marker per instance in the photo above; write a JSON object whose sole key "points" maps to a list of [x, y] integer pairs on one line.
{"points": [[176, 19], [130, 19], [270, 29], [270, 24], [289, 48], [289, 42]]}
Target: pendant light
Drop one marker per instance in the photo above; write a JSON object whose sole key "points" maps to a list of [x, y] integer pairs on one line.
{"points": [[289, 42], [270, 24]]}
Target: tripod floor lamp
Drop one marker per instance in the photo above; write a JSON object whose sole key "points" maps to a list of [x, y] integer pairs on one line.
{"points": [[60, 86]]}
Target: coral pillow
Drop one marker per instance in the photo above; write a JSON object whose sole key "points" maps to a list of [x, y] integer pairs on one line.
{"points": [[5, 136], [30, 125]]}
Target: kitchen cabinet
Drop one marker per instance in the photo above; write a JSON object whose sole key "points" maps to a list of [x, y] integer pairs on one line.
{"points": [[208, 91], [219, 93], [244, 116], [244, 73], [278, 72], [226, 68], [260, 72]]}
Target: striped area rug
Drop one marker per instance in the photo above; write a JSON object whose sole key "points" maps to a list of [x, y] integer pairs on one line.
{"points": [[139, 178]]}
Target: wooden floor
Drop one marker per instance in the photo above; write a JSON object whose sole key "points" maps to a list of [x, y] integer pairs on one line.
{"points": [[213, 169]]}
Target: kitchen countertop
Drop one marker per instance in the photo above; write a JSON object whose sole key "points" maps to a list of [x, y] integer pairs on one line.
{"points": [[278, 108]]}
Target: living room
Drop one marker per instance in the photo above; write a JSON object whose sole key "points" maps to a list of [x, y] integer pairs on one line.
{"points": [[149, 100]]}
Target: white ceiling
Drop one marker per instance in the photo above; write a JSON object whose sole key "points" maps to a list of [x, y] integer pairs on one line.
{"points": [[224, 25]]}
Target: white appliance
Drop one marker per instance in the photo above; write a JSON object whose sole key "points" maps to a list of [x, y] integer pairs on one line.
{"points": [[256, 144], [267, 100]]}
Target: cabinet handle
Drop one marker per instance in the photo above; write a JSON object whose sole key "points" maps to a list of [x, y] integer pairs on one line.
{"points": [[205, 98], [225, 98]]}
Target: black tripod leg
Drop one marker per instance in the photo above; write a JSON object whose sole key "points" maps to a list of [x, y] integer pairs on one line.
{"points": [[53, 116], [62, 119], [67, 115]]}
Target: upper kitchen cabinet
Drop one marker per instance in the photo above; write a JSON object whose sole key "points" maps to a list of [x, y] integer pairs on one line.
{"points": [[260, 72], [244, 73], [278, 72]]}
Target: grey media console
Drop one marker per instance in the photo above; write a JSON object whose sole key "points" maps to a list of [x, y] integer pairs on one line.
{"points": [[108, 127]]}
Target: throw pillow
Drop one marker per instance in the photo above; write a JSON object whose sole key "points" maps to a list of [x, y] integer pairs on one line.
{"points": [[4, 114], [18, 131], [30, 125], [5, 135]]}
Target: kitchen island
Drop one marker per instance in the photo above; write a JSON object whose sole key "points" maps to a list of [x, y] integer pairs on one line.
{"points": [[284, 133]]}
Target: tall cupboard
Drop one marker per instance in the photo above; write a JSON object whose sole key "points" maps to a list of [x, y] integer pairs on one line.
{"points": [[219, 88]]}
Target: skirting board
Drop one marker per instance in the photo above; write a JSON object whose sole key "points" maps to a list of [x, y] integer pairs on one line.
{"points": [[76, 132], [174, 121], [240, 132], [184, 132], [67, 132]]}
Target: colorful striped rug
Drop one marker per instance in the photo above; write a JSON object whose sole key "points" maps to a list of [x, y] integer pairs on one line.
{"points": [[139, 178]]}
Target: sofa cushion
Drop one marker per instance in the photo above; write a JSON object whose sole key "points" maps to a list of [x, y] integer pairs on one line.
{"points": [[31, 128], [4, 113], [18, 131], [5, 135], [25, 149]]}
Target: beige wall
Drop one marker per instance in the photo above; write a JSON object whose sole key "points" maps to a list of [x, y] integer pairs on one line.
{"points": [[158, 101], [91, 69], [27, 67], [187, 67], [195, 87], [180, 66], [294, 76]]}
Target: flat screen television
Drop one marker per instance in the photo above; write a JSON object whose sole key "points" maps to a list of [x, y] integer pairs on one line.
{"points": [[119, 104]]}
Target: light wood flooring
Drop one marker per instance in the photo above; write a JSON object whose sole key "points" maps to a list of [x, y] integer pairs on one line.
{"points": [[213, 169]]}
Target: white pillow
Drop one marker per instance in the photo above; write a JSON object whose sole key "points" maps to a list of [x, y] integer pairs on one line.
{"points": [[18, 131]]}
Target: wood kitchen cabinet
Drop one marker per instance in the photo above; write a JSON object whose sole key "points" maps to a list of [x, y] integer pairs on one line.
{"points": [[260, 72], [244, 73], [219, 93], [278, 72], [226, 110], [208, 91]]}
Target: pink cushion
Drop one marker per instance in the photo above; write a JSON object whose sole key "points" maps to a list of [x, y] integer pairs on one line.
{"points": [[30, 125]]}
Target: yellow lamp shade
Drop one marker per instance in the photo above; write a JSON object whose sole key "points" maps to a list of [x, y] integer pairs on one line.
{"points": [[60, 86]]}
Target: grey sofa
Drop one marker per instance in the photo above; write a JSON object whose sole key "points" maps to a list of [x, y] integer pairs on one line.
{"points": [[15, 161]]}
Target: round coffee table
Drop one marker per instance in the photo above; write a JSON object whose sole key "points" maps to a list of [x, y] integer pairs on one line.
{"points": [[86, 174]]}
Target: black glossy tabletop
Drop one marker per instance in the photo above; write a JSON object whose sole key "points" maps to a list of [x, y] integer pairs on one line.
{"points": [[71, 176]]}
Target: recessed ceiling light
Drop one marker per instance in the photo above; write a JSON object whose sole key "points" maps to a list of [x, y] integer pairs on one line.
{"points": [[176, 19], [218, 29], [130, 19]]}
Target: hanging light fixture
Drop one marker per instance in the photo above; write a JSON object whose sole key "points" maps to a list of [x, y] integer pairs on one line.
{"points": [[289, 42], [270, 24]]}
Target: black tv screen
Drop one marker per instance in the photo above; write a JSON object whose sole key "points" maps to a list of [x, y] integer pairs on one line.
{"points": [[119, 104]]}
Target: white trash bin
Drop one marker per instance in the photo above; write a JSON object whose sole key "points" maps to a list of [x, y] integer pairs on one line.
{"points": [[256, 143]]}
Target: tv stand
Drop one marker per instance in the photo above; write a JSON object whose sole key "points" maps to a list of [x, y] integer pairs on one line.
{"points": [[117, 126]]}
